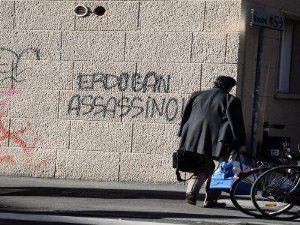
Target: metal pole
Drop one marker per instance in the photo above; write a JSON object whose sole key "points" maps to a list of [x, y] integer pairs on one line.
{"points": [[255, 108]]}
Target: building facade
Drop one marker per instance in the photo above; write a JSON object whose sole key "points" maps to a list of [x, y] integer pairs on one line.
{"points": [[96, 89], [279, 91]]}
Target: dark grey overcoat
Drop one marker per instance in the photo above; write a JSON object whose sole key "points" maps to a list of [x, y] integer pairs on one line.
{"points": [[212, 120]]}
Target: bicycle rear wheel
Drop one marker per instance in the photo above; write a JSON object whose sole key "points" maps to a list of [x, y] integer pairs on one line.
{"points": [[240, 192], [272, 193]]}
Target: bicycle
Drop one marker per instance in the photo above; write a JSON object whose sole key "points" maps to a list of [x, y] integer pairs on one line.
{"points": [[276, 150], [276, 193]]}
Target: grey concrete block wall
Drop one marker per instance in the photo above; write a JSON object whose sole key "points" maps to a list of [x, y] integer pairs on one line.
{"points": [[172, 15], [209, 48], [35, 104], [44, 133], [167, 46], [101, 97], [93, 46], [48, 75], [31, 44], [6, 18], [37, 15], [36, 163]]}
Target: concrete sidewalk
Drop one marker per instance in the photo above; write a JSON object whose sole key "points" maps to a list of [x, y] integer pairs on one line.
{"points": [[54, 200]]}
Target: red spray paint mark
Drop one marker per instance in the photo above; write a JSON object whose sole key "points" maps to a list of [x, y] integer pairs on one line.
{"points": [[6, 158], [13, 135], [6, 134], [39, 163], [10, 92], [43, 162], [4, 103]]}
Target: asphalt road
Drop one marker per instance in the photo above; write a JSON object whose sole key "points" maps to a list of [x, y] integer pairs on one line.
{"points": [[48, 201]]}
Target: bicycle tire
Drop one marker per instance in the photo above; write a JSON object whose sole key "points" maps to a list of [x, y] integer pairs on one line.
{"points": [[236, 184], [274, 215]]}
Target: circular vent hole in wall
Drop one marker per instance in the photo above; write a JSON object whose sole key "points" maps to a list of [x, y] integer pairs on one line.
{"points": [[81, 10], [99, 10]]}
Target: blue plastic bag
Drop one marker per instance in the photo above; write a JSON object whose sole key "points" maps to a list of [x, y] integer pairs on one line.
{"points": [[226, 172], [223, 177]]}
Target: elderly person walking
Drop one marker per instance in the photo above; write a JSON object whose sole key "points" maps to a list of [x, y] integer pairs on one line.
{"points": [[212, 126]]}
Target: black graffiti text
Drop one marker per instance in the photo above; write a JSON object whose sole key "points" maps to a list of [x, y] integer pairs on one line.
{"points": [[151, 82], [167, 108], [10, 69]]}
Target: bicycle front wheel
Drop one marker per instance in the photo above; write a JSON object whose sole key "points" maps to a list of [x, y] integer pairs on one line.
{"points": [[272, 192]]}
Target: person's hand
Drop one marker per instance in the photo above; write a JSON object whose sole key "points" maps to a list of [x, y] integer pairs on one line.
{"points": [[242, 150]]}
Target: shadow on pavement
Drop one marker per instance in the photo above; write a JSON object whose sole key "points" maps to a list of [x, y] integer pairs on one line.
{"points": [[93, 193], [90, 193]]}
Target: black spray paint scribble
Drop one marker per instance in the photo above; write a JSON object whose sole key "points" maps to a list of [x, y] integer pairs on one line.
{"points": [[151, 82], [10, 70], [103, 106], [99, 106]]}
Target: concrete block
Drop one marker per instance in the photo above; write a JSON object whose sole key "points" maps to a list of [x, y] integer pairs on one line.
{"points": [[105, 106], [148, 168], [153, 108], [158, 46], [42, 133], [211, 71], [155, 138], [232, 48], [7, 15], [36, 163], [95, 46], [172, 15], [181, 78], [120, 15], [44, 15], [107, 76], [222, 15], [5, 101], [209, 47], [88, 165], [35, 104], [31, 45], [4, 129], [101, 136], [40, 74]]}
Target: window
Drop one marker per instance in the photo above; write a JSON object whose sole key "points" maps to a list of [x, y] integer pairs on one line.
{"points": [[289, 75]]}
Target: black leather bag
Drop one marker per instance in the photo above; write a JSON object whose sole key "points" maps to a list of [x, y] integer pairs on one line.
{"points": [[186, 161]]}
